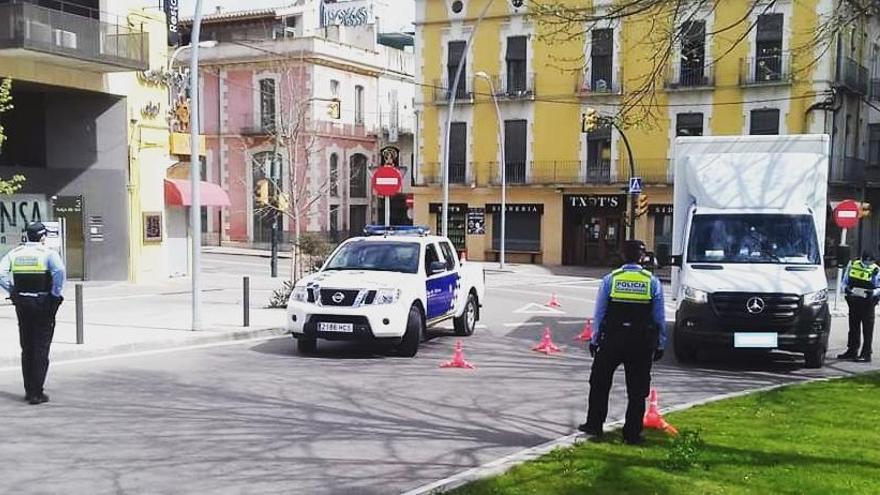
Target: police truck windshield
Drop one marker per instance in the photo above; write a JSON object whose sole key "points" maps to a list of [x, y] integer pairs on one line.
{"points": [[379, 256], [753, 238]]}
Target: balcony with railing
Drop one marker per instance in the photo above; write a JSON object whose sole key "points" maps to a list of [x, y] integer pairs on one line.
{"points": [[766, 70], [853, 76], [686, 76], [848, 170], [257, 125], [874, 90], [515, 86], [66, 38], [588, 86], [443, 89], [431, 174]]}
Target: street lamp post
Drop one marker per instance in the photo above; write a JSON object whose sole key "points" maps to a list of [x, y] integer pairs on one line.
{"points": [[201, 44], [195, 171], [632, 173], [483, 75]]}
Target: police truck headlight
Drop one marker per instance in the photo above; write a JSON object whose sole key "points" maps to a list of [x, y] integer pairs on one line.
{"points": [[299, 294], [817, 298], [696, 295], [387, 296]]}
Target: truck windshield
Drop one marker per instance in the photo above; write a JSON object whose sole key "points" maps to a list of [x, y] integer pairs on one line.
{"points": [[380, 256], [753, 238]]}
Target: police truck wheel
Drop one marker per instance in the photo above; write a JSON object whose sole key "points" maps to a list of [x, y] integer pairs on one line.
{"points": [[409, 345], [815, 358], [306, 345], [465, 324]]}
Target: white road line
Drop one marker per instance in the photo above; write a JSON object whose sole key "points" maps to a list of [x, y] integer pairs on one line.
{"points": [[532, 293], [524, 324]]}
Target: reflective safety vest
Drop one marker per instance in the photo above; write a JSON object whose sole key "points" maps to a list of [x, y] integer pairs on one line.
{"points": [[30, 269], [630, 286], [861, 275]]}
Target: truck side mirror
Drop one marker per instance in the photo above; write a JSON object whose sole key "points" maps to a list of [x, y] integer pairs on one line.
{"points": [[675, 260]]}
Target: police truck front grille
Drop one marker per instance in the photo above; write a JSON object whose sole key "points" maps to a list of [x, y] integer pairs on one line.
{"points": [[775, 308], [338, 297]]}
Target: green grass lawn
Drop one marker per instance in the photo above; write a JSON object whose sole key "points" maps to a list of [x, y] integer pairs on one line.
{"points": [[821, 438]]}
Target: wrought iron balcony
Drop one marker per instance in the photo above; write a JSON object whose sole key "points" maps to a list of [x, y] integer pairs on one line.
{"points": [[442, 90], [515, 86], [854, 76], [766, 69], [686, 76], [588, 86], [65, 38]]}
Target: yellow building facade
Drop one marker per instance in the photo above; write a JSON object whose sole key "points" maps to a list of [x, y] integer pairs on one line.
{"points": [[89, 80], [567, 189]]}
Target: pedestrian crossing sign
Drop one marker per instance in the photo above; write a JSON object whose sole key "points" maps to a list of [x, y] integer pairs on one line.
{"points": [[635, 185]]}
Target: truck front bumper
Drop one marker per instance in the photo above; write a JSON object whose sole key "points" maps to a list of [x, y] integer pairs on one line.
{"points": [[380, 322]]}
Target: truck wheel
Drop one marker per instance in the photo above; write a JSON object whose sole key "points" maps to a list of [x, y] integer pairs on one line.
{"points": [[465, 324], [306, 345], [684, 353], [815, 358], [409, 345]]}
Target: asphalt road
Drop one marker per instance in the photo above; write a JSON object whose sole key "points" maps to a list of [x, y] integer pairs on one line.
{"points": [[255, 417]]}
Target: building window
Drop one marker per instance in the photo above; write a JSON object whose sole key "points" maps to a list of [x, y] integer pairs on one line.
{"points": [[523, 231], [689, 124], [267, 105], [602, 60], [764, 122], [515, 145], [357, 219], [334, 175], [334, 88], [456, 55], [334, 223], [358, 104], [458, 153], [768, 48], [693, 53], [266, 180], [874, 145], [599, 156], [357, 184], [516, 64]]}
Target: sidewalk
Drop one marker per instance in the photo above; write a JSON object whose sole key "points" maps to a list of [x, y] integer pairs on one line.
{"points": [[122, 318]]}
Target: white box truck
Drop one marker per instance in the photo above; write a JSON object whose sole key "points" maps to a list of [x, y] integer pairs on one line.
{"points": [[748, 244]]}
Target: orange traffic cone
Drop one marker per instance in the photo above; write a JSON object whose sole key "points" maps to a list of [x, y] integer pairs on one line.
{"points": [[463, 258], [653, 419], [458, 360], [553, 302], [587, 334], [546, 345]]}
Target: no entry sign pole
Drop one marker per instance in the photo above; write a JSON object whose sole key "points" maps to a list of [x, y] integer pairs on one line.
{"points": [[387, 211], [387, 181], [846, 216]]}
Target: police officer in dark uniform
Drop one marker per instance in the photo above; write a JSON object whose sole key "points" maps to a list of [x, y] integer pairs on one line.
{"points": [[632, 332], [861, 283], [34, 277]]}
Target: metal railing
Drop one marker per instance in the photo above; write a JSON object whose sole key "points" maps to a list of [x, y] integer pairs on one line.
{"points": [[874, 90], [766, 69], [547, 172], [848, 169], [431, 174], [686, 76], [515, 86], [854, 76], [587, 86], [114, 45], [257, 125], [442, 90]]}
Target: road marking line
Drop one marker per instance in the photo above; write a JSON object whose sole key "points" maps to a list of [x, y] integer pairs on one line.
{"points": [[524, 324], [538, 309]]}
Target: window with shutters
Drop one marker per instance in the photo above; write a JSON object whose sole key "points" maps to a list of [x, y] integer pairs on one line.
{"points": [[764, 122], [602, 60], [458, 153], [267, 105], [456, 55], [689, 124], [768, 48], [874, 145], [599, 156], [693, 54], [515, 146], [517, 75]]}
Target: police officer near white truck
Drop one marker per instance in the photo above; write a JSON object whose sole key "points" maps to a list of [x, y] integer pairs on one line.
{"points": [[861, 283], [33, 275]]}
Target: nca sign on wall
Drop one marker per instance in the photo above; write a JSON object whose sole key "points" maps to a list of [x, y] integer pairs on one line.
{"points": [[16, 212], [352, 13]]}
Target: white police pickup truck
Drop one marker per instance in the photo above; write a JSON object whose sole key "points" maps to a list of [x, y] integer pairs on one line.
{"points": [[388, 286]]}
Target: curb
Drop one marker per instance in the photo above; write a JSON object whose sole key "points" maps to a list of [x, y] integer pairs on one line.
{"points": [[203, 337], [504, 464]]}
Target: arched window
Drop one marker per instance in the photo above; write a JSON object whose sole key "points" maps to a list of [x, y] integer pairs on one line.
{"points": [[357, 184], [267, 180], [334, 175]]}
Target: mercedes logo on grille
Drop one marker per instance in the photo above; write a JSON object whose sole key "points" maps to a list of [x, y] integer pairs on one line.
{"points": [[338, 297], [755, 305]]}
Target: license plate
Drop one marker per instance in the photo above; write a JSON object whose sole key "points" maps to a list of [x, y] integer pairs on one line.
{"points": [[753, 340], [336, 327]]}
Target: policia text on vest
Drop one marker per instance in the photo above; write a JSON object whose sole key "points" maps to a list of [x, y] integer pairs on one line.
{"points": [[631, 331], [861, 283], [33, 275]]}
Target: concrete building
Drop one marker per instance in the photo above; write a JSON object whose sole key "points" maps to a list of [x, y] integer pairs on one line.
{"points": [[317, 87], [566, 188], [88, 131]]}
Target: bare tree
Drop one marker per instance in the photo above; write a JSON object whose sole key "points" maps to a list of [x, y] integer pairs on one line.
{"points": [[666, 24]]}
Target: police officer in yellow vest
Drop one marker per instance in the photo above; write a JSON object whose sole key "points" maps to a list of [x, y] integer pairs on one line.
{"points": [[861, 283], [34, 277], [632, 332]]}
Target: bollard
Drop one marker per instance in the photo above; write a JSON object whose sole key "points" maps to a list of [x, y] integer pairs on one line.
{"points": [[246, 296], [79, 314]]}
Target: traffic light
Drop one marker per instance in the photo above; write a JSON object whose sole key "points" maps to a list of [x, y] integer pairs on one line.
{"points": [[864, 209], [642, 205], [589, 120], [282, 202], [262, 192], [334, 109], [517, 3]]}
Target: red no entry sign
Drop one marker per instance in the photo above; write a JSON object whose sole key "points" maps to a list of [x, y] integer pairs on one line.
{"points": [[846, 215], [387, 181]]}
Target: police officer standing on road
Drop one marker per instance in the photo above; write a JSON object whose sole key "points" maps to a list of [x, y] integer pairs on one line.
{"points": [[861, 283], [631, 331], [35, 287]]}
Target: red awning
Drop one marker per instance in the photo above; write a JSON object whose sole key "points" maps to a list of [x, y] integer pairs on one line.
{"points": [[179, 192]]}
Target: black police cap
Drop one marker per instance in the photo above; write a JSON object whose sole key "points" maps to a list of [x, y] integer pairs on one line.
{"points": [[35, 230]]}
